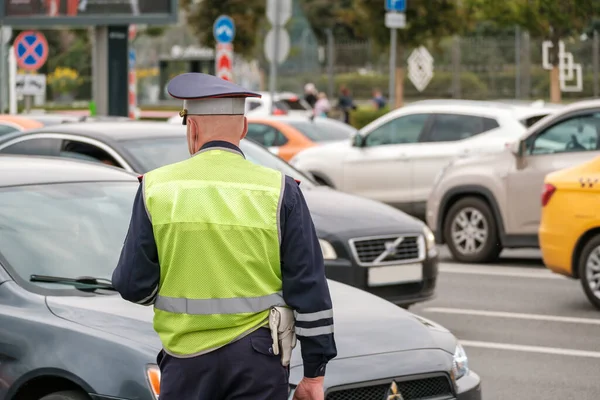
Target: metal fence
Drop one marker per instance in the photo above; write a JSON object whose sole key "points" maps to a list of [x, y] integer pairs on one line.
{"points": [[467, 68]]}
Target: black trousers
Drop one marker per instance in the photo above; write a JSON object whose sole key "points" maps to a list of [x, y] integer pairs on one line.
{"points": [[243, 370]]}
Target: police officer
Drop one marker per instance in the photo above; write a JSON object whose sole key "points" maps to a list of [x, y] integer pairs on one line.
{"points": [[220, 246]]}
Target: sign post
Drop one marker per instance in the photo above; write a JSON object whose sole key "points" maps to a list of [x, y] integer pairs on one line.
{"points": [[394, 19], [224, 32], [31, 51], [277, 42]]}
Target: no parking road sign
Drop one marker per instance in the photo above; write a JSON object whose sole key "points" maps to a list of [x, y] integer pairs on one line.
{"points": [[31, 50]]}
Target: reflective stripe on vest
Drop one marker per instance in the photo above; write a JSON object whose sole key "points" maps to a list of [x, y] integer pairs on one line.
{"points": [[235, 305], [215, 219]]}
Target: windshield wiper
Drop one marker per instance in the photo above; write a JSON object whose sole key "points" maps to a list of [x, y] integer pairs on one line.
{"points": [[84, 283]]}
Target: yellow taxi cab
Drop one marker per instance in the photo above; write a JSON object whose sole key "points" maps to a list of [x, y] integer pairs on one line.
{"points": [[569, 232]]}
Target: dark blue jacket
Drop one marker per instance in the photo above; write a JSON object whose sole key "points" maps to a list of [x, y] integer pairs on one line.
{"points": [[303, 273]]}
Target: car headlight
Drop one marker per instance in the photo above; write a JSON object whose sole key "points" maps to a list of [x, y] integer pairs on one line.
{"points": [[327, 250], [153, 375], [460, 365], [432, 250]]}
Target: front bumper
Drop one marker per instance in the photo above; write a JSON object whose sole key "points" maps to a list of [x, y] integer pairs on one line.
{"points": [[345, 271], [469, 387]]}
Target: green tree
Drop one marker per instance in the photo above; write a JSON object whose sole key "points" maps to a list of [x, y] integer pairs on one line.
{"points": [[545, 19], [339, 16], [425, 20], [247, 15]]}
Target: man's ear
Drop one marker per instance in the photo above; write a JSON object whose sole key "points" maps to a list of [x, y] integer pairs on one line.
{"points": [[245, 127]]}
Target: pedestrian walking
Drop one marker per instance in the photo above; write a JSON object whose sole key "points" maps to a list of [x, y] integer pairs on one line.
{"points": [[322, 106], [346, 103], [310, 94], [226, 252]]}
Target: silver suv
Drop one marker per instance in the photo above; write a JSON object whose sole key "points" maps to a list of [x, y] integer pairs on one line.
{"points": [[482, 204]]}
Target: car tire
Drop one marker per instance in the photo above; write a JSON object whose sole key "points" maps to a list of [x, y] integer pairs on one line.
{"points": [[66, 395], [591, 247], [487, 249]]}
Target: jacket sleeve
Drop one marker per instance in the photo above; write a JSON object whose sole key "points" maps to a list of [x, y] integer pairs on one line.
{"points": [[137, 274], [305, 287]]}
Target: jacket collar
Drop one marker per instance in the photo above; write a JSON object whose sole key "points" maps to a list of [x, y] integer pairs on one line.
{"points": [[220, 145]]}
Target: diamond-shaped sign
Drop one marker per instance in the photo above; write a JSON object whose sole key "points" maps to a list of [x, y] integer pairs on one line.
{"points": [[420, 68]]}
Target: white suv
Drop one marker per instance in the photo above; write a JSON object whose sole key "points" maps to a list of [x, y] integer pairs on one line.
{"points": [[396, 158]]}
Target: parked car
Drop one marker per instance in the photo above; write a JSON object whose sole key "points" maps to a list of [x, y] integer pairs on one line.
{"points": [[570, 227], [395, 158], [47, 119], [14, 123], [66, 334], [285, 103], [286, 136], [482, 204], [358, 250]]}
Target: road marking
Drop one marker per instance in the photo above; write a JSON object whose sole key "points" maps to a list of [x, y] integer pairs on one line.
{"points": [[516, 272], [501, 314], [531, 349]]}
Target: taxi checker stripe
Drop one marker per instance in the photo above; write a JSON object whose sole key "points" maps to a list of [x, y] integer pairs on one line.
{"points": [[235, 305], [308, 317], [322, 330]]}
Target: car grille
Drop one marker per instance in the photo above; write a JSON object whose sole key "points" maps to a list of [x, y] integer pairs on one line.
{"points": [[369, 251], [420, 389]]}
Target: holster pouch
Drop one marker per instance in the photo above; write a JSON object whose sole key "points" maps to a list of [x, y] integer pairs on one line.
{"points": [[282, 324]]}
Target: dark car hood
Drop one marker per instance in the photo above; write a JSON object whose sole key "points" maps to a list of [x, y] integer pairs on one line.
{"points": [[334, 212], [364, 324]]}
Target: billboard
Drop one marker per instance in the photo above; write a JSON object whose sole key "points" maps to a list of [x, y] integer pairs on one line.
{"points": [[88, 12]]}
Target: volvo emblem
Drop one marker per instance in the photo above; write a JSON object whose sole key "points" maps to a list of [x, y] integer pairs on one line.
{"points": [[390, 248], [393, 393]]}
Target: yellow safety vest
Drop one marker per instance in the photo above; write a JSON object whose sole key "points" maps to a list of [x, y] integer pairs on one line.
{"points": [[215, 219]]}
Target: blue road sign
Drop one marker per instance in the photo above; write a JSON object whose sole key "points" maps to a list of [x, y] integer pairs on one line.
{"points": [[31, 50], [224, 29], [395, 5], [131, 58]]}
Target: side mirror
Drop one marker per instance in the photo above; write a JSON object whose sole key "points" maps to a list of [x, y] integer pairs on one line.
{"points": [[517, 147], [357, 140]]}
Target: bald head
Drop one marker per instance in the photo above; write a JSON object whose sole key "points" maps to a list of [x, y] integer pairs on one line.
{"points": [[205, 128]]}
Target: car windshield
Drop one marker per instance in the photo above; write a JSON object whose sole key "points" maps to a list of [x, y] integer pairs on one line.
{"points": [[323, 129], [296, 104], [156, 152], [65, 229]]}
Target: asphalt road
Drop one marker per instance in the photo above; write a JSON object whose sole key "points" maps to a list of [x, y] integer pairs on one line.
{"points": [[528, 333]]}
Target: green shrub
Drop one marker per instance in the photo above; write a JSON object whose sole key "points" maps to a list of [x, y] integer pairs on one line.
{"points": [[362, 116]]}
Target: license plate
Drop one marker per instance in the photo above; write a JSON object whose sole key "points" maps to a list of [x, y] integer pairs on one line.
{"points": [[380, 276]]}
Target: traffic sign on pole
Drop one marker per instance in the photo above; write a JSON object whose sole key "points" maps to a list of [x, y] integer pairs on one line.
{"points": [[279, 12], [395, 20], [283, 49], [224, 29], [224, 61], [395, 5], [31, 50]]}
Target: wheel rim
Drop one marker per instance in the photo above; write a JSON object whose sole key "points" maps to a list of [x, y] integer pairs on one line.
{"points": [[592, 271], [469, 231]]}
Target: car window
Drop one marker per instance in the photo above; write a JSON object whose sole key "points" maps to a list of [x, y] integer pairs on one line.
{"points": [[7, 128], [70, 230], [406, 129], [527, 122], [296, 104], [323, 129], [253, 105], [38, 146], [156, 152], [86, 151], [266, 135], [453, 127], [579, 133]]}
